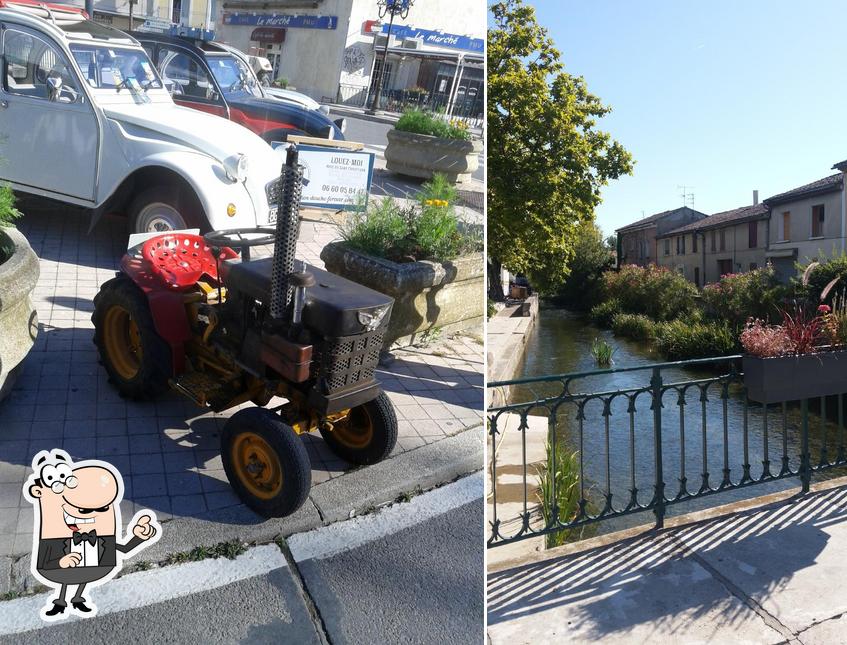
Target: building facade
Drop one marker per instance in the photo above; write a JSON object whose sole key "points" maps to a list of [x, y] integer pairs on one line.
{"points": [[332, 49], [637, 241], [729, 242], [189, 13], [806, 223]]}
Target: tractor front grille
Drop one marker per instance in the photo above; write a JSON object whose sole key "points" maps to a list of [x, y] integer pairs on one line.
{"points": [[342, 362]]}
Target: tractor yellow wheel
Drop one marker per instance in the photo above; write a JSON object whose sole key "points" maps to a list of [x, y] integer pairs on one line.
{"points": [[256, 465], [266, 462], [123, 341], [136, 358], [367, 434]]}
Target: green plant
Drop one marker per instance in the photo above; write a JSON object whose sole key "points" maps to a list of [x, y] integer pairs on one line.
{"points": [[681, 340], [602, 352], [438, 188], [419, 122], [378, 229], [634, 326], [8, 214], [816, 276], [281, 82], [739, 296], [656, 292], [835, 320], [565, 474], [582, 288], [492, 308], [429, 231], [603, 314]]}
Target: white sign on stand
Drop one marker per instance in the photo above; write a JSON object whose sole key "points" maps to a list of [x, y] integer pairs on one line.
{"points": [[333, 177]]}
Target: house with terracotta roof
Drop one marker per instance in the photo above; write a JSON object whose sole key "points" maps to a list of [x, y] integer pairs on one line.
{"points": [[727, 242], [807, 223], [637, 241]]}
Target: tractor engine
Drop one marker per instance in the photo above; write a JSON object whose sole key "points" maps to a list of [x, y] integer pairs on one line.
{"points": [[285, 320]]}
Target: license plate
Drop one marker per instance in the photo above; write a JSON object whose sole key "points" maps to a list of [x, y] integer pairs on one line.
{"points": [[272, 215]]}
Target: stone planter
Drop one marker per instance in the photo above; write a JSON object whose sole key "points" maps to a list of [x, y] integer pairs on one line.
{"points": [[18, 320], [427, 295], [791, 378], [420, 155]]}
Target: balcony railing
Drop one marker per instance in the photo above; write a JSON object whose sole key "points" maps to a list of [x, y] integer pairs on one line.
{"points": [[662, 439]]}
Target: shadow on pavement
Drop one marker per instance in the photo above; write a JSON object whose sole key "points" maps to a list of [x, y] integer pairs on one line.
{"points": [[651, 579]]}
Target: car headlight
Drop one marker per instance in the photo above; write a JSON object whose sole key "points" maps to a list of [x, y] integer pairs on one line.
{"points": [[236, 167]]}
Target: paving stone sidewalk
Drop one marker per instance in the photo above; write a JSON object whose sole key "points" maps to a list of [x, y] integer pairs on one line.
{"points": [[168, 449]]}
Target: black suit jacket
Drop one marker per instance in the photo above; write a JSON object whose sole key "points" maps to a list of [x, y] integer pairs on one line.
{"points": [[51, 550]]}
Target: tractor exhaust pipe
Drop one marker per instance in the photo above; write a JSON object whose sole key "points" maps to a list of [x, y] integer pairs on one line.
{"points": [[285, 244]]}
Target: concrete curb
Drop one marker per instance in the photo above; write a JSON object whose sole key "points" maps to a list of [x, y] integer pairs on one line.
{"points": [[354, 493]]}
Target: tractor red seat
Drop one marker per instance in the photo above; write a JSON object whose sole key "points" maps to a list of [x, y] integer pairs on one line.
{"points": [[180, 259]]}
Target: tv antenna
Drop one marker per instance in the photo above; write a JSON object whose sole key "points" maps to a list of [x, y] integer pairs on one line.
{"points": [[687, 195]]}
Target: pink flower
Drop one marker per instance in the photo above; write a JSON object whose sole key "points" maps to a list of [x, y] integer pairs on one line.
{"points": [[824, 309]]}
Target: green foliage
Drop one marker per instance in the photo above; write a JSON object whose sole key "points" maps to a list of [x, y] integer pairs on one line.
{"points": [[819, 277], [633, 326], [583, 286], [565, 473], [377, 230], [603, 314], [611, 242], [602, 352], [438, 188], [428, 231], [656, 292], [8, 214], [739, 296], [682, 340], [546, 161], [492, 308], [281, 82], [419, 122]]}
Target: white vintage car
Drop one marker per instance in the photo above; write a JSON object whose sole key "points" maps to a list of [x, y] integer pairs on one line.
{"points": [[85, 119]]}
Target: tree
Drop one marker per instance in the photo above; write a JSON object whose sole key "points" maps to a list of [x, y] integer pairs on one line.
{"points": [[612, 242], [582, 287], [546, 161]]}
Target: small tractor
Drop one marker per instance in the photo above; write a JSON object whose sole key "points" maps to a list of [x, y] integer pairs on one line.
{"points": [[190, 313]]}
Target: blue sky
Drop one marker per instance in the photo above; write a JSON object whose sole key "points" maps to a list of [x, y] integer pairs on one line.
{"points": [[723, 96]]}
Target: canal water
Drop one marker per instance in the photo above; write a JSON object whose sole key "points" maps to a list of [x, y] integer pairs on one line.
{"points": [[561, 344]]}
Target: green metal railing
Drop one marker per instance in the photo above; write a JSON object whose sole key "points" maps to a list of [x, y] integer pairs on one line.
{"points": [[631, 439]]}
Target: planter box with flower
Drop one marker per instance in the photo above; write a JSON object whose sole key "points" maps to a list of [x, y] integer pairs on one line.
{"points": [[422, 256], [421, 145], [804, 357], [19, 272]]}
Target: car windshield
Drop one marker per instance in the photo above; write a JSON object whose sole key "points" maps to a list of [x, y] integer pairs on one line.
{"points": [[105, 67], [233, 75]]}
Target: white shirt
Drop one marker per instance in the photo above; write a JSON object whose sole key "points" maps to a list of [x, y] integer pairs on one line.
{"points": [[90, 553]]}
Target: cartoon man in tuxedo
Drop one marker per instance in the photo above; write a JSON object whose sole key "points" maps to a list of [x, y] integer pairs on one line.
{"points": [[77, 527]]}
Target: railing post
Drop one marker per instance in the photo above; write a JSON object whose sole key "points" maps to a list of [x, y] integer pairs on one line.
{"points": [[659, 486], [805, 457]]}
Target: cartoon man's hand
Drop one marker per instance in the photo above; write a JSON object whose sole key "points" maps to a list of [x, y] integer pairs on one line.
{"points": [[70, 560], [143, 529]]}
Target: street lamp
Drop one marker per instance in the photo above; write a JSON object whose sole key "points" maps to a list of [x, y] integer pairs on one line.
{"points": [[392, 8]]}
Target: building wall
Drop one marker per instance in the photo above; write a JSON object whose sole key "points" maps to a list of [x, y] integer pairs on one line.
{"points": [[800, 238], [639, 246], [736, 252], [316, 61]]}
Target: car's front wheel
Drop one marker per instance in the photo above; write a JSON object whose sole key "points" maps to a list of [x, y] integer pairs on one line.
{"points": [[159, 210]]}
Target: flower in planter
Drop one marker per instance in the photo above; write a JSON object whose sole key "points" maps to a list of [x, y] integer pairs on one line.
{"points": [[765, 341]]}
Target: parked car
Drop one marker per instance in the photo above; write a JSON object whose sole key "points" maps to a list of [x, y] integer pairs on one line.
{"points": [[264, 74], [85, 119], [209, 77]]}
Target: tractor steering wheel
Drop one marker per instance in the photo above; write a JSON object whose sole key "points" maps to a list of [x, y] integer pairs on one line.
{"points": [[234, 238]]}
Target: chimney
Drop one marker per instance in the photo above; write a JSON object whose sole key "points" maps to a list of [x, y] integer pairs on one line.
{"points": [[755, 197]]}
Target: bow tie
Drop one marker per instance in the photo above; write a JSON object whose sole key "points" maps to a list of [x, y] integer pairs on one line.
{"points": [[91, 537]]}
